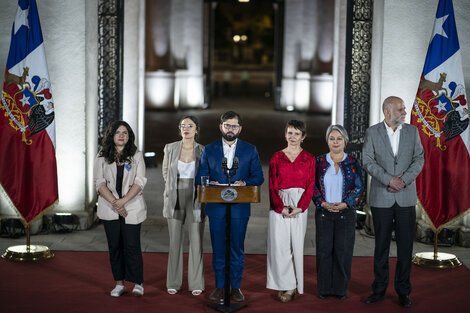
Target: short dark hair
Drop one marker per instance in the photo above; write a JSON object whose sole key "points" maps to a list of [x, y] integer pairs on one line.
{"points": [[299, 125], [194, 119], [108, 149], [229, 115]]}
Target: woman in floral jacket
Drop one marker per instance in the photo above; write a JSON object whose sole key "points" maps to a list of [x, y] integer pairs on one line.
{"points": [[338, 187]]}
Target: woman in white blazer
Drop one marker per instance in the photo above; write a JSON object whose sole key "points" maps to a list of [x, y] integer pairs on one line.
{"points": [[119, 175], [180, 206]]}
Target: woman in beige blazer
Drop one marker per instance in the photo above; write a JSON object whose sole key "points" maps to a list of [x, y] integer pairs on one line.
{"points": [[119, 175], [180, 205]]}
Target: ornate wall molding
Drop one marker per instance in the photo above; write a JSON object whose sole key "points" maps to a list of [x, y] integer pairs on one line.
{"points": [[357, 72], [110, 62], [357, 76]]}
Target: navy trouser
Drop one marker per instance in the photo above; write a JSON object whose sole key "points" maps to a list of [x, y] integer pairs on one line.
{"points": [[335, 235], [125, 254], [237, 244], [402, 220]]}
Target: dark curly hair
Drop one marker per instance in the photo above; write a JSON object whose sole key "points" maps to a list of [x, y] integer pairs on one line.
{"points": [[108, 149]]}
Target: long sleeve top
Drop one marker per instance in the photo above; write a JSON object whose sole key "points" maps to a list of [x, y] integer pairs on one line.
{"points": [[352, 180], [284, 174]]}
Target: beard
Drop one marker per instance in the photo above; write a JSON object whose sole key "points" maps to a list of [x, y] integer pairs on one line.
{"points": [[229, 136], [397, 120]]}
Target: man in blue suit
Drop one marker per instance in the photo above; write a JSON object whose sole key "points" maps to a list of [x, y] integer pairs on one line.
{"points": [[249, 173]]}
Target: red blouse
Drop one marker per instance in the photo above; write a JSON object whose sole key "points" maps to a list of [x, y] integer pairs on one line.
{"points": [[284, 174]]}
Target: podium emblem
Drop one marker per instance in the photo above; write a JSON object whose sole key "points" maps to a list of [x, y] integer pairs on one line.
{"points": [[228, 194]]}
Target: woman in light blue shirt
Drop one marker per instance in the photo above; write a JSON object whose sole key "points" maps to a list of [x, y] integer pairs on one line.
{"points": [[338, 187]]}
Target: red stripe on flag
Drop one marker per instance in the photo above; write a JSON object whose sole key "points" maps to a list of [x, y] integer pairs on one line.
{"points": [[445, 175], [27, 173]]}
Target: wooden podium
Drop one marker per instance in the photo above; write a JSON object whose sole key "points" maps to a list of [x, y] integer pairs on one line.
{"points": [[228, 195]]}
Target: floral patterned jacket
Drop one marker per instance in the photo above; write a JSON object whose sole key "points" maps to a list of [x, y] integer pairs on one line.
{"points": [[352, 180]]}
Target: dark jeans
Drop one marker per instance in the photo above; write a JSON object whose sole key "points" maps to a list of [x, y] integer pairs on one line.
{"points": [[335, 235], [402, 220], [125, 254]]}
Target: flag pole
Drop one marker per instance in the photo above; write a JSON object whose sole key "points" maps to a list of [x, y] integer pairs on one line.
{"points": [[27, 252], [28, 237], [436, 259]]}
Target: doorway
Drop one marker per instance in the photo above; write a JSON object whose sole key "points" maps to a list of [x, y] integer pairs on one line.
{"points": [[241, 56]]}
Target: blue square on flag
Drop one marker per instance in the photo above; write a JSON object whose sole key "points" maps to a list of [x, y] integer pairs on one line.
{"points": [[442, 105], [28, 98]]}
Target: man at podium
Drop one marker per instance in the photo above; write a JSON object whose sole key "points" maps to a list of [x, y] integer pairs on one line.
{"points": [[249, 173]]}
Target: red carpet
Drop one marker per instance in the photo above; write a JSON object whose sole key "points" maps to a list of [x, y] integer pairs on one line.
{"points": [[81, 281]]}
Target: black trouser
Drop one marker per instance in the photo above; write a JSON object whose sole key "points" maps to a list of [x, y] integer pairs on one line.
{"points": [[335, 234], [125, 254], [402, 220]]}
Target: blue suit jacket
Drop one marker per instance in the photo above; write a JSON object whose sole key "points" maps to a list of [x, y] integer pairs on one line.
{"points": [[249, 170]]}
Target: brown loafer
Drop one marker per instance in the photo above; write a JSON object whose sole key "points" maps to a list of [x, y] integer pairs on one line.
{"points": [[237, 295], [217, 294]]}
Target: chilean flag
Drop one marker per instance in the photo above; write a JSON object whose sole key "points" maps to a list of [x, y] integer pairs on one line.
{"points": [[440, 112], [28, 170]]}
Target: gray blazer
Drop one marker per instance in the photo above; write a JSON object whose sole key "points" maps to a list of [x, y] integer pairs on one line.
{"points": [[380, 163], [172, 153]]}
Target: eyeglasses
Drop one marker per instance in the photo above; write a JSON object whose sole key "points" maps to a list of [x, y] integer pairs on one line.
{"points": [[187, 126], [229, 126]]}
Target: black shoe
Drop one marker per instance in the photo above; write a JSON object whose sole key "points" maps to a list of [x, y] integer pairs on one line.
{"points": [[374, 298], [322, 296], [237, 295], [404, 301], [217, 294], [340, 297]]}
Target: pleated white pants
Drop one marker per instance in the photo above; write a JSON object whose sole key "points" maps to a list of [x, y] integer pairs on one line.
{"points": [[286, 251]]}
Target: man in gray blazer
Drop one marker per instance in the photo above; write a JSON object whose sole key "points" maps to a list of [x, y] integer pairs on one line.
{"points": [[393, 156]]}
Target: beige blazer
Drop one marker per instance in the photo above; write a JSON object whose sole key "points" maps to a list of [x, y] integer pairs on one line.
{"points": [[172, 153], [134, 173]]}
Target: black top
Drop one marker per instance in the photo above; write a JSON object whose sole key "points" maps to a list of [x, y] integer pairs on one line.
{"points": [[120, 174]]}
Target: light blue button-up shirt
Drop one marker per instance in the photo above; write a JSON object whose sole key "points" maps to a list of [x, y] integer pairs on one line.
{"points": [[333, 182]]}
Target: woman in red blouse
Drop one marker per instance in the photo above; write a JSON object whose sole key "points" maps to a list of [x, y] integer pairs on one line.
{"points": [[291, 185]]}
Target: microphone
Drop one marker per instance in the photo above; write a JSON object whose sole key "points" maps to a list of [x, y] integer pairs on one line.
{"points": [[235, 163], [224, 164]]}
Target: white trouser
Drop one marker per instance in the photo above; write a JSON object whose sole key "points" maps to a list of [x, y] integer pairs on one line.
{"points": [[286, 251]]}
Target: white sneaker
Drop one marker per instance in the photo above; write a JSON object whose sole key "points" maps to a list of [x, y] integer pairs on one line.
{"points": [[172, 291], [138, 291], [118, 291]]}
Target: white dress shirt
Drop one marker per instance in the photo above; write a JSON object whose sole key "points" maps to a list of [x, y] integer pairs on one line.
{"points": [[394, 137], [229, 152]]}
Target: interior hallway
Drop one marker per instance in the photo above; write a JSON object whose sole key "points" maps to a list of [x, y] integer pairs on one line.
{"points": [[262, 126]]}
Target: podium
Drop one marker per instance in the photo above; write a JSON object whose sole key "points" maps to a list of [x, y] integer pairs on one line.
{"points": [[228, 195]]}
